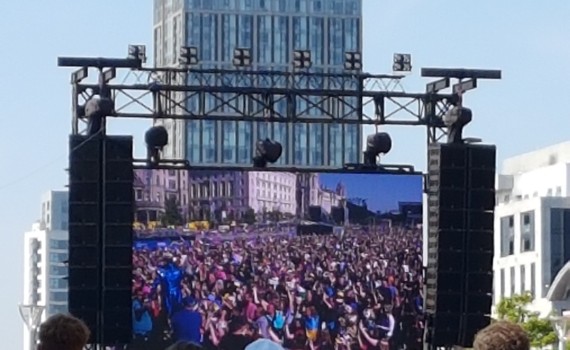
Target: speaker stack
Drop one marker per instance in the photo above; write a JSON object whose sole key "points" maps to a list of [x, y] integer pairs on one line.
{"points": [[459, 277], [101, 205]]}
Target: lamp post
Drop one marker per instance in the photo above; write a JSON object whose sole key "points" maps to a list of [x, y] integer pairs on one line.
{"points": [[32, 317], [560, 325]]}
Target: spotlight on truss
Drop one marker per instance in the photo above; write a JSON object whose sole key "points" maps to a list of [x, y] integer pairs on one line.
{"points": [[302, 59], [376, 144], [455, 119], [402, 62], [266, 151], [353, 61], [188, 56], [156, 138], [137, 52], [95, 110], [242, 57]]}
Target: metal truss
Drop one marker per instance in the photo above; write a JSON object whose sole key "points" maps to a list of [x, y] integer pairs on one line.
{"points": [[268, 96]]}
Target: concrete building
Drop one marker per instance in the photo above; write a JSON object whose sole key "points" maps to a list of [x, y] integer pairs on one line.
{"points": [[153, 187], [45, 250], [223, 194], [272, 191], [272, 30], [532, 225]]}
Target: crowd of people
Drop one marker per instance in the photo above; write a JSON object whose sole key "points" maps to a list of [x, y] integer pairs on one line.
{"points": [[359, 290], [65, 332]]}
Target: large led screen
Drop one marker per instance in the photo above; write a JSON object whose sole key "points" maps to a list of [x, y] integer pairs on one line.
{"points": [[230, 260]]}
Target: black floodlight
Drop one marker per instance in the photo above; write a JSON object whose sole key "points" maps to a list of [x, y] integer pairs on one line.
{"points": [[455, 119], [95, 110], [188, 56], [376, 144], [242, 57], [353, 61], [266, 151], [137, 52], [402, 62], [302, 59], [155, 138]]}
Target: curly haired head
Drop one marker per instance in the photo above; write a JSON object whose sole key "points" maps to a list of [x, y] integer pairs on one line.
{"points": [[502, 336], [63, 332]]}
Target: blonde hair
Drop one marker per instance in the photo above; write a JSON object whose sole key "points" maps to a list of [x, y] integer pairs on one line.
{"points": [[502, 335], [63, 332]]}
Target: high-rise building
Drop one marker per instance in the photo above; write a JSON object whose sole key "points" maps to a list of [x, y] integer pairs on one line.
{"points": [[532, 227], [45, 251], [272, 30]]}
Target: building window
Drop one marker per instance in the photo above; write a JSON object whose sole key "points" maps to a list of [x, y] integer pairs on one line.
{"points": [[58, 244], [58, 283], [513, 284], [559, 239], [532, 279], [58, 270], [57, 257], [527, 231], [523, 279], [507, 236], [58, 297], [502, 291]]}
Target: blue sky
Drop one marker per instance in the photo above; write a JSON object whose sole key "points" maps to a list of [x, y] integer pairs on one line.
{"points": [[381, 192], [527, 110]]}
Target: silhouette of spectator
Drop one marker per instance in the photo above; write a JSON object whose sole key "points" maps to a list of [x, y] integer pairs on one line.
{"points": [[63, 332], [502, 336]]}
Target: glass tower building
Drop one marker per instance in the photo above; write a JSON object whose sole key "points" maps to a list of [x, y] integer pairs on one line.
{"points": [[272, 29]]}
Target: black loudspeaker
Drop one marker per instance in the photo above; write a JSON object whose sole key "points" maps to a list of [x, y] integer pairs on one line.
{"points": [[459, 280], [84, 230], [101, 205]]}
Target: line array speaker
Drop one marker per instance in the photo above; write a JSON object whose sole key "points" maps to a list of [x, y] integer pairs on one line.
{"points": [[459, 280], [101, 205]]}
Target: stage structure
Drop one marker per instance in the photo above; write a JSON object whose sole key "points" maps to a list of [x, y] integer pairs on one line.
{"points": [[99, 170]]}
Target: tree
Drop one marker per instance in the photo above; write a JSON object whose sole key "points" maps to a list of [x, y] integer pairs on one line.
{"points": [[249, 216], [515, 309], [172, 216]]}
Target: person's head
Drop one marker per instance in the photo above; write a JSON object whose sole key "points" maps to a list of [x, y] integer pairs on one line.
{"points": [[63, 332], [502, 335]]}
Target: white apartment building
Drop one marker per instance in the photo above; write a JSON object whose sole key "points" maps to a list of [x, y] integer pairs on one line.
{"points": [[532, 227], [45, 251], [273, 191]]}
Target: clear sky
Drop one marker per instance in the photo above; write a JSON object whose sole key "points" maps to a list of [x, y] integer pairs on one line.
{"points": [[528, 39], [381, 192]]}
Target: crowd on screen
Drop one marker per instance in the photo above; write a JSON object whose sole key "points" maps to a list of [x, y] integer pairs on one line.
{"points": [[361, 290]]}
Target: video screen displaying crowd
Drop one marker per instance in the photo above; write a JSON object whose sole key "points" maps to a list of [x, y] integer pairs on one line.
{"points": [[358, 290]]}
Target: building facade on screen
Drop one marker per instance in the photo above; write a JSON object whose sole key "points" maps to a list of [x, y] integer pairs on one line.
{"points": [[229, 195], [153, 187], [272, 29], [532, 228], [45, 250]]}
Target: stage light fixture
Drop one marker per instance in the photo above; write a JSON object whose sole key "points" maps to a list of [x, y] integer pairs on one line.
{"points": [[455, 119], [137, 52], [155, 138], [353, 61], [188, 56], [242, 57], [402, 62], [302, 59], [95, 110], [376, 144], [266, 151]]}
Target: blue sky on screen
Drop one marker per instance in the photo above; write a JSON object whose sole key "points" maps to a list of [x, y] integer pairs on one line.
{"points": [[381, 192]]}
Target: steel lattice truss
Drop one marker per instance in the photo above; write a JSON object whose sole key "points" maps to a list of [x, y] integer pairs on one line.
{"points": [[269, 96]]}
